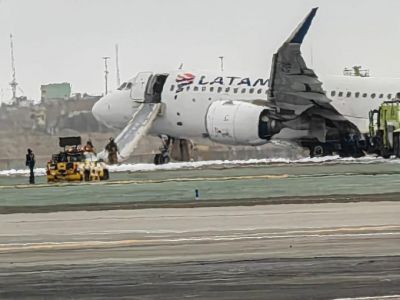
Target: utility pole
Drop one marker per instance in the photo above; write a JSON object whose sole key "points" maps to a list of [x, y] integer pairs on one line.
{"points": [[117, 64], [222, 62], [13, 83], [106, 73]]}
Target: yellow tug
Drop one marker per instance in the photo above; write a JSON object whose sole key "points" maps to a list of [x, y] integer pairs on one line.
{"points": [[75, 163]]}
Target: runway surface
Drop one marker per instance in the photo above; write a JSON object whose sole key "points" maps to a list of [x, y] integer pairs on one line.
{"points": [[233, 185], [320, 251]]}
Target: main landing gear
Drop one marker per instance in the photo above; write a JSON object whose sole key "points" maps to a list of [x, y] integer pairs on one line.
{"points": [[177, 149], [346, 146]]}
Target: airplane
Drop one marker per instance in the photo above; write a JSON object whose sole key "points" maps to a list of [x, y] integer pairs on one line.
{"points": [[289, 105]]}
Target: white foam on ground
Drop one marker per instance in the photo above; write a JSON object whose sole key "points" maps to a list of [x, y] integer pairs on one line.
{"points": [[200, 164]]}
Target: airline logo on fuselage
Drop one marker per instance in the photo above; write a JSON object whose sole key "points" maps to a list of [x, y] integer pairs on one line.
{"points": [[188, 79], [184, 80]]}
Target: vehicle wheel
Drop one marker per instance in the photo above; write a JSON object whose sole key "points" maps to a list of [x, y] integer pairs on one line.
{"points": [[87, 175], [106, 175], [396, 144]]}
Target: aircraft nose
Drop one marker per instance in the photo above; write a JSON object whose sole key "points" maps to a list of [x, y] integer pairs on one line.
{"points": [[99, 110], [96, 111]]}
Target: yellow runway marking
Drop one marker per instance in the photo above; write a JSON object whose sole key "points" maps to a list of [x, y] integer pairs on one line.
{"points": [[293, 234], [44, 185], [74, 245]]}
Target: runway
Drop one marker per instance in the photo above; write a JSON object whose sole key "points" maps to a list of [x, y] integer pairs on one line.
{"points": [[320, 251], [228, 186]]}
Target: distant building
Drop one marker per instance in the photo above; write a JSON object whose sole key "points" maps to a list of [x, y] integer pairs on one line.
{"points": [[55, 91]]}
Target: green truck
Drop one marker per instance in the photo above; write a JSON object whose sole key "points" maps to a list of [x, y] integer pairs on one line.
{"points": [[384, 129]]}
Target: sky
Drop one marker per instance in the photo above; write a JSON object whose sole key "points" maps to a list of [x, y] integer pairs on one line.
{"points": [[65, 40]]}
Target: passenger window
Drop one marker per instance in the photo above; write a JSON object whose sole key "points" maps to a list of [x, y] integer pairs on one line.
{"points": [[212, 89], [219, 90], [348, 94], [340, 94], [389, 96], [398, 95], [365, 95], [188, 88], [243, 91], [235, 90], [196, 88], [203, 89], [259, 91], [333, 93], [373, 96], [227, 90], [172, 88], [251, 91], [357, 94], [380, 96]]}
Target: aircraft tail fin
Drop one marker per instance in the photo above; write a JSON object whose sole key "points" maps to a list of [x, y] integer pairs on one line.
{"points": [[300, 32]]}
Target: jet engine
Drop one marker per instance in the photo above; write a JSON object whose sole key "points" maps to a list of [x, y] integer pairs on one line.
{"points": [[239, 123]]}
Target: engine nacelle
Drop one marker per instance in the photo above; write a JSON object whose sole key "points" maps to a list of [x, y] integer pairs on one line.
{"points": [[238, 123]]}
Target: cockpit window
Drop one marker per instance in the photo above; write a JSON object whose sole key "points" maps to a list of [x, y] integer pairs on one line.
{"points": [[125, 86], [122, 86]]}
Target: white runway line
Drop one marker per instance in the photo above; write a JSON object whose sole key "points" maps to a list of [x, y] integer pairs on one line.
{"points": [[371, 298], [200, 164]]}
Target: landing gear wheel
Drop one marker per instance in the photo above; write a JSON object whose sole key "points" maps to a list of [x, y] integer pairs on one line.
{"points": [[163, 157], [160, 159], [319, 150], [166, 159], [157, 159]]}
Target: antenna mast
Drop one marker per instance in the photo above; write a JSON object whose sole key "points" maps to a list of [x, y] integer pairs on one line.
{"points": [[13, 83], [106, 74], [117, 63], [222, 62]]}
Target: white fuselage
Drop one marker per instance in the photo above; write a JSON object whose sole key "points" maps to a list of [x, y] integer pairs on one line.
{"points": [[186, 107]]}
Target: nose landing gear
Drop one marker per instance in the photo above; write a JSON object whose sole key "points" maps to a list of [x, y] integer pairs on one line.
{"points": [[163, 157]]}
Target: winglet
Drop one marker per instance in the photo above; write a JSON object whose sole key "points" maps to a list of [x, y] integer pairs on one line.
{"points": [[300, 32]]}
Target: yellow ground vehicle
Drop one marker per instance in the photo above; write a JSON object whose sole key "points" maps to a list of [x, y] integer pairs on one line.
{"points": [[384, 128], [74, 163]]}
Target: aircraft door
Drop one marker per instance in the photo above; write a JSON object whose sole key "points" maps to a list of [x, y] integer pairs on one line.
{"points": [[154, 88], [139, 86]]}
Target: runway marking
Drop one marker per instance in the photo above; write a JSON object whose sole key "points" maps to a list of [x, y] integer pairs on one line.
{"points": [[189, 179], [117, 182], [231, 237], [59, 245], [371, 298], [385, 227]]}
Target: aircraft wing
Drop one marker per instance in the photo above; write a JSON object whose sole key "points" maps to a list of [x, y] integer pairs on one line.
{"points": [[294, 89], [138, 126]]}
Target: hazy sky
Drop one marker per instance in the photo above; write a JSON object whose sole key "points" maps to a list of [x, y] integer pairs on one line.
{"points": [[65, 40]]}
